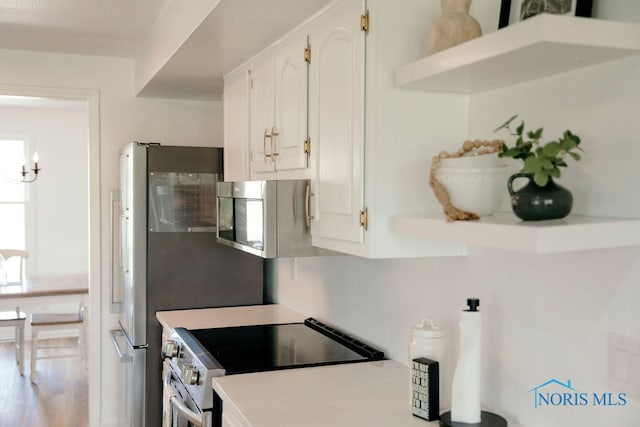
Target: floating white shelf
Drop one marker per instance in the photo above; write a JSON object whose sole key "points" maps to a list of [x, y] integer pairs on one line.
{"points": [[538, 47], [506, 231]]}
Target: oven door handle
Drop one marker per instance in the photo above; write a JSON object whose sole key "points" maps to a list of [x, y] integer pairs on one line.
{"points": [[188, 413], [179, 405]]}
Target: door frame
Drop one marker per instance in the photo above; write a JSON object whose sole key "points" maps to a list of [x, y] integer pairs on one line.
{"points": [[94, 318]]}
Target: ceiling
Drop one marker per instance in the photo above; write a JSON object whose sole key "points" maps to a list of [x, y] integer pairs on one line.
{"points": [[227, 33], [86, 27]]}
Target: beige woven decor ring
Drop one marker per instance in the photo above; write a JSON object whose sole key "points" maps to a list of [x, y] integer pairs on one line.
{"points": [[478, 148]]}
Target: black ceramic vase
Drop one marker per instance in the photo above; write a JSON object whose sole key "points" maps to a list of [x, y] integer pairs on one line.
{"points": [[535, 203]]}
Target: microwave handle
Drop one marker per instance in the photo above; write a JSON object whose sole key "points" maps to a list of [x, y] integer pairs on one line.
{"points": [[307, 204]]}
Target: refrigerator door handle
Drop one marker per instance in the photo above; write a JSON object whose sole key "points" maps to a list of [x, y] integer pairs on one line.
{"points": [[116, 267], [117, 336]]}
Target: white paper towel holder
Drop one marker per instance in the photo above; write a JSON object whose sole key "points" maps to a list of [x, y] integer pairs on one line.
{"points": [[487, 419]]}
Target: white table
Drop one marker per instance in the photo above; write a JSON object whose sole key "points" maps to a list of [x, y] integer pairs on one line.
{"points": [[40, 292], [72, 287]]}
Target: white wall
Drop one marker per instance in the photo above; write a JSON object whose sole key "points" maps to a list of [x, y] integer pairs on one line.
{"points": [[58, 199], [545, 316], [123, 119]]}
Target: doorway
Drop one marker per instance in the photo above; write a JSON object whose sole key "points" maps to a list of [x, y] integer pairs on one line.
{"points": [[87, 101]]}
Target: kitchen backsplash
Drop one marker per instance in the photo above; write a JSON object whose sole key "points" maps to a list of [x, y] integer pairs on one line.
{"points": [[544, 317]]}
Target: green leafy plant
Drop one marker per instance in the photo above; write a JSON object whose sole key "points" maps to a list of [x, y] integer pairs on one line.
{"points": [[542, 160]]}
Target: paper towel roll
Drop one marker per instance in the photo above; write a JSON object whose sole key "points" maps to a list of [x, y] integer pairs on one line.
{"points": [[465, 390]]}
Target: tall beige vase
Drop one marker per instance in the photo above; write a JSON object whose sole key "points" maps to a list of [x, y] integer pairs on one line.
{"points": [[453, 27]]}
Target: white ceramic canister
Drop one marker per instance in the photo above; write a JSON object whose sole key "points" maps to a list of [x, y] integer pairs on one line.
{"points": [[428, 340]]}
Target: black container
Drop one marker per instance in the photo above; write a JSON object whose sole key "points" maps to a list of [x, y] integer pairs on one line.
{"points": [[425, 379], [535, 203]]}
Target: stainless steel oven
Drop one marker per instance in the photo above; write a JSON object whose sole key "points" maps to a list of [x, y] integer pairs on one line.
{"points": [[187, 389], [179, 409], [194, 357]]}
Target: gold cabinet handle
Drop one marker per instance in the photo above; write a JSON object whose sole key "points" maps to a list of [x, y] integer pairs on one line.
{"points": [[264, 145], [273, 135], [269, 136], [307, 204]]}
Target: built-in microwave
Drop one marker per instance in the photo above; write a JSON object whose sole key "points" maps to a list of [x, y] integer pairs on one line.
{"points": [[270, 219]]}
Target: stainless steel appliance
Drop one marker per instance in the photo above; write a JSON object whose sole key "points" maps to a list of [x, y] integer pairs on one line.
{"points": [[193, 357], [270, 219], [170, 259]]}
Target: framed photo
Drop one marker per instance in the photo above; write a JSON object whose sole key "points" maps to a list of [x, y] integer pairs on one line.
{"points": [[512, 11]]}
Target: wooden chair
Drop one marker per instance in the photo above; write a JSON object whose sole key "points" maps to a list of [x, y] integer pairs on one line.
{"points": [[11, 253], [57, 322], [16, 320]]}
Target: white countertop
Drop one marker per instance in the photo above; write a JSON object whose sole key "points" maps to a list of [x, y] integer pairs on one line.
{"points": [[228, 316], [356, 394], [372, 394]]}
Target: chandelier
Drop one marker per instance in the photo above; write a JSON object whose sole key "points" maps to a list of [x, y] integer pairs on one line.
{"points": [[30, 175]]}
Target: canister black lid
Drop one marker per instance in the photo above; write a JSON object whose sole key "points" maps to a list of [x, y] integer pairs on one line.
{"points": [[473, 304]]}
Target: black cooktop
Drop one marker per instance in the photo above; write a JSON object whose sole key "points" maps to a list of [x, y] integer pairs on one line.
{"points": [[255, 348]]}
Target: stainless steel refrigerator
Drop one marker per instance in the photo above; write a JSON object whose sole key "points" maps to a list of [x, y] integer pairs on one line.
{"points": [[169, 259]]}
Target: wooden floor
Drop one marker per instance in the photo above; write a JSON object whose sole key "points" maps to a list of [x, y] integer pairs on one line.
{"points": [[58, 399]]}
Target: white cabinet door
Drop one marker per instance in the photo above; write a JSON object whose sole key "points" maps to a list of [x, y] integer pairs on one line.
{"points": [[262, 110], [291, 105], [236, 127], [279, 110], [336, 119]]}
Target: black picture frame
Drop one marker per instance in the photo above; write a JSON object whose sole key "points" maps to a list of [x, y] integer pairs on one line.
{"points": [[582, 8]]}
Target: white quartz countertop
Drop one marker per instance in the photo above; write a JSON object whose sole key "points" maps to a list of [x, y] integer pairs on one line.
{"points": [[355, 394], [372, 394], [228, 316]]}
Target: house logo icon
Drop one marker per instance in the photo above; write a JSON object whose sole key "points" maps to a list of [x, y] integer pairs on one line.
{"points": [[557, 393], [558, 397]]}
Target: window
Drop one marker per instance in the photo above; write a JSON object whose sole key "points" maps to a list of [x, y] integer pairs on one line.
{"points": [[12, 199]]}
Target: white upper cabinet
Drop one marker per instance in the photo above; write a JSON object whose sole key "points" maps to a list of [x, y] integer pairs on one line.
{"points": [[372, 139], [262, 116], [336, 121], [363, 142], [278, 105], [236, 127], [291, 105], [365, 136]]}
